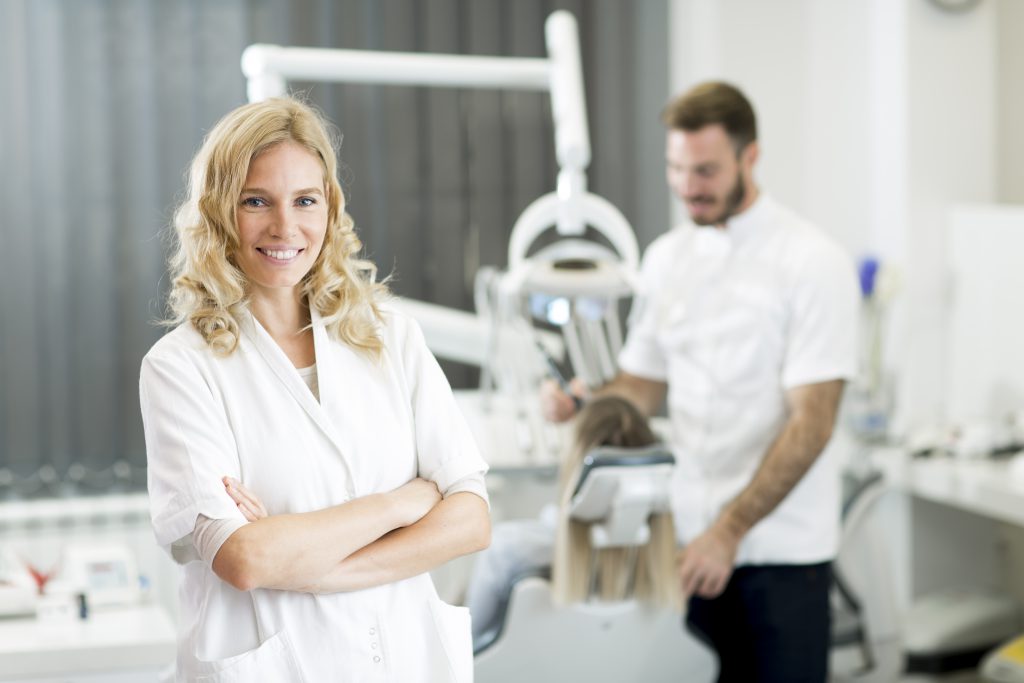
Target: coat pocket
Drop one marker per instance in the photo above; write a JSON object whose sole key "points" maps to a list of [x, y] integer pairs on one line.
{"points": [[274, 660], [453, 629]]}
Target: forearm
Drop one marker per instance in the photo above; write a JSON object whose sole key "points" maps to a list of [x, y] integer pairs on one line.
{"points": [[291, 550], [787, 461], [458, 525], [803, 438]]}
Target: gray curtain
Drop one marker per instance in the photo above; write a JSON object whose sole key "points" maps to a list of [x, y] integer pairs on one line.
{"points": [[103, 103]]}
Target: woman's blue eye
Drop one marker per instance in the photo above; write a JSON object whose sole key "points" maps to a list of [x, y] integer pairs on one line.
{"points": [[306, 201], [252, 201]]}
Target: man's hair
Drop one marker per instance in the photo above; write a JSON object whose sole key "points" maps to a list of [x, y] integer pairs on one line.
{"points": [[710, 103]]}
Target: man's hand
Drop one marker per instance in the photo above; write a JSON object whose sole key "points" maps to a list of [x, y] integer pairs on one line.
{"points": [[706, 563], [555, 404]]}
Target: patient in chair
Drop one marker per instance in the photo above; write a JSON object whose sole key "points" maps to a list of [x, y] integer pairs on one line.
{"points": [[554, 540]]}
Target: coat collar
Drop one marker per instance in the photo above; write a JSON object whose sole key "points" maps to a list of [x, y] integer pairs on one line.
{"points": [[286, 373]]}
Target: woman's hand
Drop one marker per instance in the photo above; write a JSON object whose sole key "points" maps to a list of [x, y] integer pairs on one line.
{"points": [[415, 499], [249, 505]]}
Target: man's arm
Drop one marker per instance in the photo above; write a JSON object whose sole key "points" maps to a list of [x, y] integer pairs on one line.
{"points": [[646, 394], [458, 525], [706, 563]]}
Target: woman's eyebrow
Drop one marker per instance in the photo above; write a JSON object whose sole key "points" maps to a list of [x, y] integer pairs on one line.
{"points": [[305, 190]]}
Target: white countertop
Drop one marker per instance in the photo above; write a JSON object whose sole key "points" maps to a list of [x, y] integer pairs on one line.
{"points": [[111, 639], [992, 488]]}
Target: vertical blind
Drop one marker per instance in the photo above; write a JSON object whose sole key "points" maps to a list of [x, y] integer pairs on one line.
{"points": [[104, 102]]}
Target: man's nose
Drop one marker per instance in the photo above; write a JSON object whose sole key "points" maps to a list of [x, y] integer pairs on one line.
{"points": [[683, 184]]}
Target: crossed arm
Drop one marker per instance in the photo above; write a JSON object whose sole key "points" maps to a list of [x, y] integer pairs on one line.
{"points": [[369, 541]]}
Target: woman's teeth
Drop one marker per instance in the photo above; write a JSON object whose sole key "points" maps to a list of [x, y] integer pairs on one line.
{"points": [[281, 255]]}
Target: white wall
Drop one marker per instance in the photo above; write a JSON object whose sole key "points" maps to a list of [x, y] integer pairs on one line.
{"points": [[951, 158], [803, 65], [1010, 67]]}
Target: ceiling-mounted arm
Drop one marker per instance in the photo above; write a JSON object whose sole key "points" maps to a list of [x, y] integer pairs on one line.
{"points": [[568, 108], [268, 68], [276, 64]]}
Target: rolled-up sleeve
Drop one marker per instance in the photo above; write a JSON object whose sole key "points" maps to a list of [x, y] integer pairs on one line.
{"points": [[189, 448], [447, 453]]}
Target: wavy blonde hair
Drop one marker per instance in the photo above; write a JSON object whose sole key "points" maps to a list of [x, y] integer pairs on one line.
{"points": [[209, 290], [578, 567]]}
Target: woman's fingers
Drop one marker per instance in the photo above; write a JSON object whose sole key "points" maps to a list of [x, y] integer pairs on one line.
{"points": [[247, 513], [246, 500]]}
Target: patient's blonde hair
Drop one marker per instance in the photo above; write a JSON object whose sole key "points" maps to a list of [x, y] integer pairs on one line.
{"points": [[208, 288], [611, 421]]}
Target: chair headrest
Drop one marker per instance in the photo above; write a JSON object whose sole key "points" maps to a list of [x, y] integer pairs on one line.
{"points": [[618, 489]]}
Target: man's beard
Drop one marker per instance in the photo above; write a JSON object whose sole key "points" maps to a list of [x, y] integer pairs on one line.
{"points": [[733, 200]]}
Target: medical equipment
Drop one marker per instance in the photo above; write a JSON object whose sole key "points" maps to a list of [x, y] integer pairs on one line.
{"points": [[18, 591], [617, 490], [952, 629], [1006, 663], [577, 281], [106, 573], [866, 645], [557, 375]]}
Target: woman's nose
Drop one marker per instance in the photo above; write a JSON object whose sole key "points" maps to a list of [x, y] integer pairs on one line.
{"points": [[283, 224]]}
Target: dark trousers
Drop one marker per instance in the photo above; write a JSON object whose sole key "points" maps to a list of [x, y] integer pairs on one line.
{"points": [[772, 623]]}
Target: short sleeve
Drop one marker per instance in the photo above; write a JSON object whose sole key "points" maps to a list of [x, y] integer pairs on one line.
{"points": [[821, 342], [209, 535], [473, 483], [189, 448], [445, 448], [641, 355]]}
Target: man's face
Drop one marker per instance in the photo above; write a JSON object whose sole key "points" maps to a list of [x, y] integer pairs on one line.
{"points": [[704, 171]]}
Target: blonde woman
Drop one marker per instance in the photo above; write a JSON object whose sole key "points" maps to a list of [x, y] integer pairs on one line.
{"points": [[307, 462], [556, 541]]}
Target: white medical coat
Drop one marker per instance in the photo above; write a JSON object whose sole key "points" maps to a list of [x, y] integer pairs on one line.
{"points": [[250, 415], [731, 319]]}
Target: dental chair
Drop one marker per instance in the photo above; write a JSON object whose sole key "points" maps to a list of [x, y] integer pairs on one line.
{"points": [[866, 644], [598, 641]]}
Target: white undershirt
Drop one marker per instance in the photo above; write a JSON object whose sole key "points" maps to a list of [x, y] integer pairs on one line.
{"points": [[308, 376]]}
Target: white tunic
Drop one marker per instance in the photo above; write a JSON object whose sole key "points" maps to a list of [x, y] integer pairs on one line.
{"points": [[251, 416], [731, 319]]}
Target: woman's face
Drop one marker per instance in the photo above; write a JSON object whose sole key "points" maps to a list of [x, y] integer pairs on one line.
{"points": [[281, 217]]}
